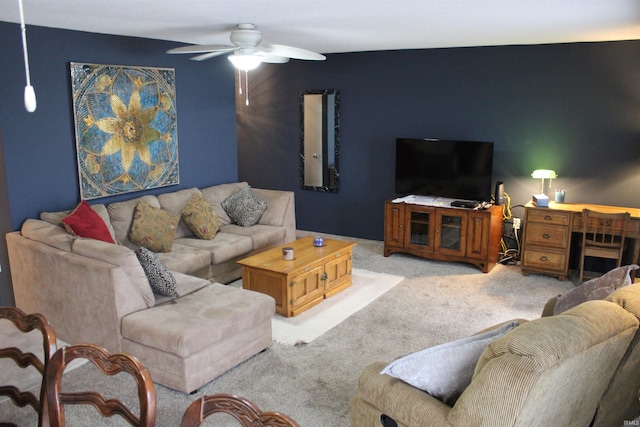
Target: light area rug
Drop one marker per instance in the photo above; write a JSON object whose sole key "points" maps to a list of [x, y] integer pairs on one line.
{"points": [[365, 287]]}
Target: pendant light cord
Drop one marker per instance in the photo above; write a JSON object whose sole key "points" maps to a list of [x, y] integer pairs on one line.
{"points": [[30, 103], [24, 43]]}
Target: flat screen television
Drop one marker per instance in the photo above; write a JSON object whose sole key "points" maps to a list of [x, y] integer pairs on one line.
{"points": [[460, 170]]}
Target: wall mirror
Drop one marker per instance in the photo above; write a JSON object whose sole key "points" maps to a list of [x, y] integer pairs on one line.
{"points": [[320, 140]]}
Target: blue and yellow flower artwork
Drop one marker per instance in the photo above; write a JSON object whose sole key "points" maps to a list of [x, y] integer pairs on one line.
{"points": [[126, 128]]}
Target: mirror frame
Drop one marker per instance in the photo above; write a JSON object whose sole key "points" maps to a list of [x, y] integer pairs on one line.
{"points": [[331, 184]]}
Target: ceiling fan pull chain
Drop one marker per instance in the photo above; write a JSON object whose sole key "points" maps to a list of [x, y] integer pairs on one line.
{"points": [[240, 81], [246, 87]]}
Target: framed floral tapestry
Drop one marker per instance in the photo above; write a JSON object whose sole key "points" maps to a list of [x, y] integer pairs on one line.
{"points": [[126, 128]]}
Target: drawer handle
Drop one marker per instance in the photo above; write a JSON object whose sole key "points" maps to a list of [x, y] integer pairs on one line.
{"points": [[546, 236], [547, 218], [544, 258]]}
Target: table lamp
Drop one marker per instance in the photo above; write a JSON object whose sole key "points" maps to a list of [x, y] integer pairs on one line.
{"points": [[543, 174]]}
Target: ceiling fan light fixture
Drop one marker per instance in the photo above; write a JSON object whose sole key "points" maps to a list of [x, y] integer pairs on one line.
{"points": [[245, 61]]}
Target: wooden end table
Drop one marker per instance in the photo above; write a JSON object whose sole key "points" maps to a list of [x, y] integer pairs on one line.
{"points": [[314, 274]]}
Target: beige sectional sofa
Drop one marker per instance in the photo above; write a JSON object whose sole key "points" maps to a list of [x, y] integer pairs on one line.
{"points": [[97, 292]]}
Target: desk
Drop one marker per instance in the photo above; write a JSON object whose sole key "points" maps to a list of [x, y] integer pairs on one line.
{"points": [[546, 242]]}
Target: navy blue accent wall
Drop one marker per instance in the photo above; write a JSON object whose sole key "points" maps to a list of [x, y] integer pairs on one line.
{"points": [[39, 148], [574, 108]]}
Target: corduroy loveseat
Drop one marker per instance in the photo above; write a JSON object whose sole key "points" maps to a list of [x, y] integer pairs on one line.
{"points": [[93, 291], [577, 368]]}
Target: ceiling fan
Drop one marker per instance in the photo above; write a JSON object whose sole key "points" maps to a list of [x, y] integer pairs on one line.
{"points": [[247, 51]]}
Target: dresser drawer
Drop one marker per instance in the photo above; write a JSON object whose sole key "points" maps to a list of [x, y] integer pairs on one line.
{"points": [[546, 216], [547, 235], [544, 258]]}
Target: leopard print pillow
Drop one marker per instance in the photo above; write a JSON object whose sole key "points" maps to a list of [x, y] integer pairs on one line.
{"points": [[160, 278], [244, 207]]}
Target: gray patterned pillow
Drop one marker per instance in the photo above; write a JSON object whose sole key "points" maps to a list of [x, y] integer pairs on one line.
{"points": [[160, 278], [244, 208], [444, 371]]}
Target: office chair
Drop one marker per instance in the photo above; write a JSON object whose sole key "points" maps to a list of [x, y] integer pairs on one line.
{"points": [[26, 323], [603, 236]]}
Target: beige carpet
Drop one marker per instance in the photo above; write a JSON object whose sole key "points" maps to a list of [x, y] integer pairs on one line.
{"points": [[366, 286]]}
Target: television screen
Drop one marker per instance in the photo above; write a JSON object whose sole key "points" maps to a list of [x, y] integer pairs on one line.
{"points": [[444, 168]]}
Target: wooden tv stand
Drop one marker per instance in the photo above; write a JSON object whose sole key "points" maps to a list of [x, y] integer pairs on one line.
{"points": [[444, 233]]}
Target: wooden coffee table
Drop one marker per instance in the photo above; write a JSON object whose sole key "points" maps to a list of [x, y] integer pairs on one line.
{"points": [[314, 274]]}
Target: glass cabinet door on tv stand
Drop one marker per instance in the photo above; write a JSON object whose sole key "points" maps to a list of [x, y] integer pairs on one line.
{"points": [[420, 236], [443, 233], [451, 225]]}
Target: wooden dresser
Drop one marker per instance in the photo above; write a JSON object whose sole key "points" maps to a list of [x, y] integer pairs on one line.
{"points": [[546, 242]]}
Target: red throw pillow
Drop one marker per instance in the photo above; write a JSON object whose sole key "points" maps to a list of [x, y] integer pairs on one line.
{"points": [[85, 222]]}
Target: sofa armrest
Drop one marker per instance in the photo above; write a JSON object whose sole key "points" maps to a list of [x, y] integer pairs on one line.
{"points": [[83, 298], [280, 210], [382, 394]]}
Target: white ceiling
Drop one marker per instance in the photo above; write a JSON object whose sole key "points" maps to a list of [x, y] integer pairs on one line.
{"points": [[332, 26]]}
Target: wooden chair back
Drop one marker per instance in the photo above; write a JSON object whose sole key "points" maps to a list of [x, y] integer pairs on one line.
{"points": [[244, 411], [108, 364], [26, 323], [603, 236]]}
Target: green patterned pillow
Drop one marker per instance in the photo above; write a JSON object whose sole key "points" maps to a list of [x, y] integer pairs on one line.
{"points": [[244, 208], [200, 217], [153, 228]]}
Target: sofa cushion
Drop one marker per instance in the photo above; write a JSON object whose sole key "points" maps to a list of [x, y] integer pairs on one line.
{"points": [[216, 194], [85, 222], [262, 236], [223, 247], [278, 204], [55, 218], [47, 233], [595, 289], [628, 298], [121, 256], [185, 259], [196, 321], [175, 202], [244, 207], [444, 371], [160, 278], [153, 228], [200, 217], [186, 284], [121, 217]]}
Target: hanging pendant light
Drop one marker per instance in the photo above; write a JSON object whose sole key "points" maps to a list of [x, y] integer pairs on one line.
{"points": [[30, 102]]}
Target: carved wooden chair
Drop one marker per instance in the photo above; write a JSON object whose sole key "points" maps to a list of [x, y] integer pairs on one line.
{"points": [[603, 236], [109, 364], [26, 323], [244, 411]]}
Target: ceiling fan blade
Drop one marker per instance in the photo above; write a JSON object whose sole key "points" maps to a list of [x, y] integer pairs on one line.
{"points": [[291, 52], [211, 55], [201, 48], [272, 59]]}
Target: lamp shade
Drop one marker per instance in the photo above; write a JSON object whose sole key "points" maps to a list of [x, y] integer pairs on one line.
{"points": [[544, 174], [245, 62]]}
